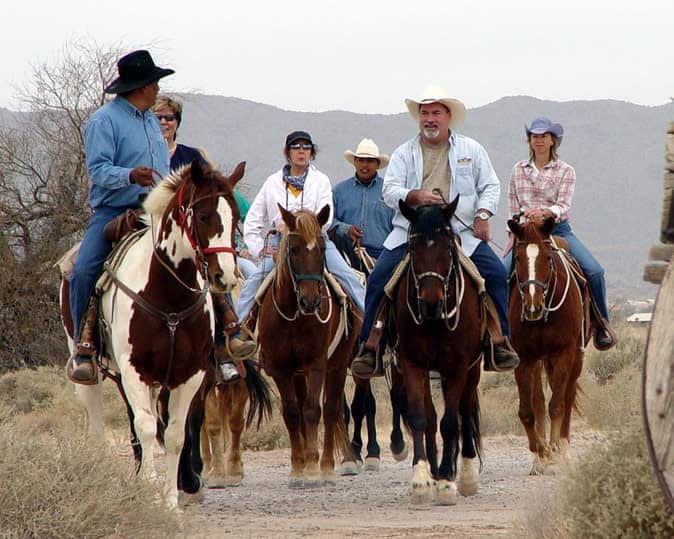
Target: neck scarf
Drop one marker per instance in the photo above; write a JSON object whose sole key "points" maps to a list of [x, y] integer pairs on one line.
{"points": [[296, 182]]}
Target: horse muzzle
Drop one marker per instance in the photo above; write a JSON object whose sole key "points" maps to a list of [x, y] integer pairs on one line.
{"points": [[430, 310]]}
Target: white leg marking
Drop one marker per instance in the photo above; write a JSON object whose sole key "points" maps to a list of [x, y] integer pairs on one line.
{"points": [[468, 476], [422, 484]]}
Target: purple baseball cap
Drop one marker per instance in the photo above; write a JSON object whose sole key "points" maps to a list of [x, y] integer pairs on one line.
{"points": [[544, 125]]}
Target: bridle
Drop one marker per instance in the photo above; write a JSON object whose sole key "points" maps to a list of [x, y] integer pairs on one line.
{"points": [[454, 276], [549, 287], [295, 279]]}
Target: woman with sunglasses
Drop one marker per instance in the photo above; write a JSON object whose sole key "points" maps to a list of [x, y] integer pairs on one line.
{"points": [[298, 185], [169, 112]]}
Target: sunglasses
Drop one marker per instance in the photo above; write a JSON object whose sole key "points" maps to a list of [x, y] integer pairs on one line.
{"points": [[297, 146], [167, 117]]}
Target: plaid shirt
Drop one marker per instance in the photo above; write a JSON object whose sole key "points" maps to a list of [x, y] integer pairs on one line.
{"points": [[552, 189]]}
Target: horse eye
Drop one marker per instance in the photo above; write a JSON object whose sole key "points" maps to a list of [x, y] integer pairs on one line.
{"points": [[203, 218]]}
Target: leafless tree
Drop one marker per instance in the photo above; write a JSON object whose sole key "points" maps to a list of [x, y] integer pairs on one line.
{"points": [[43, 195]]}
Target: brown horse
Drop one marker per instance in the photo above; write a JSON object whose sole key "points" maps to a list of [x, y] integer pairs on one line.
{"points": [[549, 320], [438, 322], [299, 318], [224, 421]]}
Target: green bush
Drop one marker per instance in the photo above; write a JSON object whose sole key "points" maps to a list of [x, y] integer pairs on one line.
{"points": [[613, 493]]}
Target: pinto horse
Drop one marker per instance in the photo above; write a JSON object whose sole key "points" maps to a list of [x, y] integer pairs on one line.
{"points": [[157, 314], [299, 320], [438, 322], [549, 321]]}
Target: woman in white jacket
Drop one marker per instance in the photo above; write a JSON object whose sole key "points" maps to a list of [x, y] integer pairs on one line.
{"points": [[298, 185]]}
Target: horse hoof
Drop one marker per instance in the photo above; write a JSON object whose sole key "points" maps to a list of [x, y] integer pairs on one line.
{"points": [[402, 455], [313, 482], [371, 464], [422, 484], [186, 498], [468, 477], [233, 480], [445, 492], [296, 482], [421, 495], [538, 467], [216, 482], [329, 479], [349, 467]]}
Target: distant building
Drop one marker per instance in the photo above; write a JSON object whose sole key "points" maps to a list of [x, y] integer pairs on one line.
{"points": [[640, 318]]}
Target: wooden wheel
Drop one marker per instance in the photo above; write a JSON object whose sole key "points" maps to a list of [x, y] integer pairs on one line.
{"points": [[658, 386]]}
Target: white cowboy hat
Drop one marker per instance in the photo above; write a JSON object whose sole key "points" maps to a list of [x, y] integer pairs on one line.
{"points": [[367, 149], [435, 94]]}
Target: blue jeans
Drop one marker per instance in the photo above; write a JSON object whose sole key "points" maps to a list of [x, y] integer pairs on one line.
{"points": [[333, 262], [247, 267], [93, 252], [488, 264], [592, 269]]}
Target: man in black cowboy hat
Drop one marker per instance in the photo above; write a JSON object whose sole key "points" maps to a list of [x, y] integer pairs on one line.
{"points": [[125, 155]]}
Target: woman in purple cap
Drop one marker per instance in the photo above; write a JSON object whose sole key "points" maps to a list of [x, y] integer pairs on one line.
{"points": [[541, 187]]}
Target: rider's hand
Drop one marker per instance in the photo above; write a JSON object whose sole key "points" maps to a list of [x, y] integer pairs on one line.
{"points": [[481, 229], [141, 176], [538, 214], [270, 251], [417, 197], [355, 234]]}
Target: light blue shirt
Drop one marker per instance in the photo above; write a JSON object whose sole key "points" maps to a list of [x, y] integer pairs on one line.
{"points": [[361, 204], [117, 138], [473, 178]]}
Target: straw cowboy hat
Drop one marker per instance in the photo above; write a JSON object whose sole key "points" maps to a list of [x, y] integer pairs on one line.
{"points": [[435, 94], [367, 149]]}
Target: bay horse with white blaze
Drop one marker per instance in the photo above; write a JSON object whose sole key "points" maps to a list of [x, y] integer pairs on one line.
{"points": [[157, 313], [438, 323], [299, 319], [549, 321]]}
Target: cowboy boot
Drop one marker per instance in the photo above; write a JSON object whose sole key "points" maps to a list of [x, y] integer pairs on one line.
{"points": [[233, 349], [603, 337], [498, 353], [83, 368], [366, 364]]}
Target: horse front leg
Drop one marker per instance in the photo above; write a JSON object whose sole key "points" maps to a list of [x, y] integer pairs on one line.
{"points": [[214, 425], [358, 413], [311, 413], [559, 380], [431, 429], [526, 380], [421, 485], [239, 398], [471, 441], [570, 402], [349, 465], [373, 457], [449, 428], [292, 417], [399, 409]]}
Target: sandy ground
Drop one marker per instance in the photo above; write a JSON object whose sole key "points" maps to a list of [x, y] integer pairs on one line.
{"points": [[375, 504]]}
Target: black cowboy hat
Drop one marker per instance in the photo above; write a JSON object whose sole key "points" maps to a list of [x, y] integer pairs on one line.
{"points": [[136, 69]]}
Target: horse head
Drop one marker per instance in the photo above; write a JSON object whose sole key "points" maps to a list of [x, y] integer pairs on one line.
{"points": [[533, 267], [302, 256], [198, 217], [433, 253]]}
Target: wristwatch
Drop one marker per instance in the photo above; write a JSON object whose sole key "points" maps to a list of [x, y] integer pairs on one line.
{"points": [[483, 215]]}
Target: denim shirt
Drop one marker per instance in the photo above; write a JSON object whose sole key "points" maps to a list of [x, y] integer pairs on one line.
{"points": [[473, 178], [117, 138], [359, 204]]}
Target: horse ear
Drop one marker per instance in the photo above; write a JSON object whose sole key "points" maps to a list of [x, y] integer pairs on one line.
{"points": [[288, 217], [548, 225], [196, 171], [449, 209], [515, 227], [323, 215], [236, 175], [408, 211]]}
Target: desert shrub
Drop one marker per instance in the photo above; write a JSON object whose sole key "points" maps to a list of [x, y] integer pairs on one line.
{"points": [[613, 404], [55, 485], [499, 407], [613, 492], [627, 353]]}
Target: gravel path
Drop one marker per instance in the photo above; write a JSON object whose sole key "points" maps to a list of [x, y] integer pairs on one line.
{"points": [[374, 504]]}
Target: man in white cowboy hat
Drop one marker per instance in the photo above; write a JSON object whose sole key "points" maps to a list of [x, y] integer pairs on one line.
{"points": [[361, 217], [436, 165], [125, 155]]}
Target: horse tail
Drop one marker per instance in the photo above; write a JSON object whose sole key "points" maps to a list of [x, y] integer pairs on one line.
{"points": [[259, 394], [342, 444]]}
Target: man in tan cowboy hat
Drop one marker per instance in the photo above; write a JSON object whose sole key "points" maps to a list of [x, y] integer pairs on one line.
{"points": [[438, 159], [125, 155], [361, 217]]}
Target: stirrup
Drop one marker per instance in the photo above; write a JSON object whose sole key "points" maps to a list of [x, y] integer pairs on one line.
{"points": [[71, 369]]}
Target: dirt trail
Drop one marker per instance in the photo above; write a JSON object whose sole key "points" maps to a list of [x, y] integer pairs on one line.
{"points": [[374, 504]]}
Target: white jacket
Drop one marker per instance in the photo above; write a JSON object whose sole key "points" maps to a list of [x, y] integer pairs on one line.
{"points": [[264, 214], [473, 178]]}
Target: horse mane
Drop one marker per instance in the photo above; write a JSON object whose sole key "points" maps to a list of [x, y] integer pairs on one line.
{"points": [[306, 225], [532, 232], [159, 198]]}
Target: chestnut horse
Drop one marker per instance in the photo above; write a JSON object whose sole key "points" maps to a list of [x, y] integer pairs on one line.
{"points": [[549, 321], [157, 313], [438, 322], [299, 318]]}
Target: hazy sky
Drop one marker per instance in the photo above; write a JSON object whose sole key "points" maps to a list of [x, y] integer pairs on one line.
{"points": [[365, 55]]}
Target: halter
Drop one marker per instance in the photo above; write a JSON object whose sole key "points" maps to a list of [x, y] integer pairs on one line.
{"points": [[549, 286], [296, 278], [459, 285]]}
